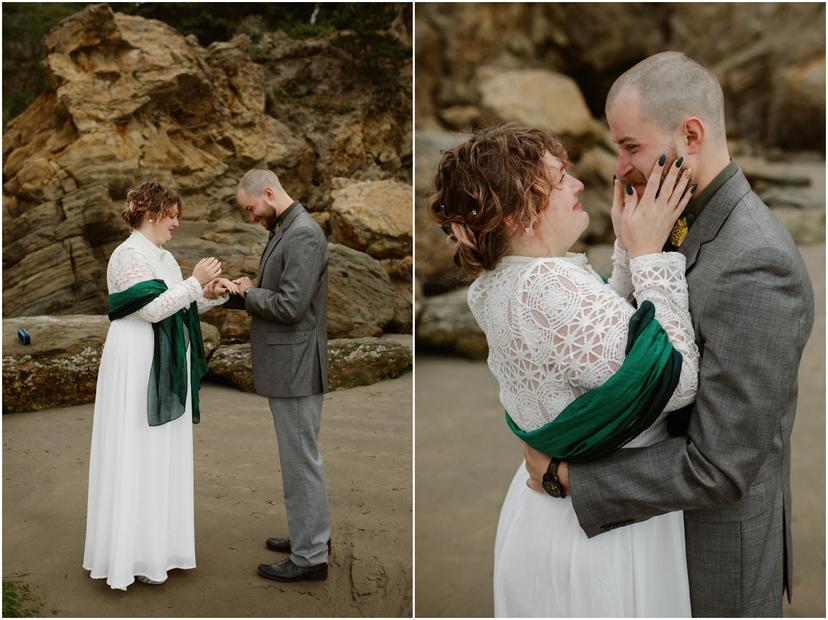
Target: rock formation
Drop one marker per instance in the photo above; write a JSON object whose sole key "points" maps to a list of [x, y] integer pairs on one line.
{"points": [[770, 58], [551, 65], [130, 100], [60, 367]]}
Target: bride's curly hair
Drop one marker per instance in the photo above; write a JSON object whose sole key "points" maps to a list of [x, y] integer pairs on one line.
{"points": [[490, 185], [150, 199]]}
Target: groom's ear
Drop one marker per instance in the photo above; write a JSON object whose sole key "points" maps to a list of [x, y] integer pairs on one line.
{"points": [[693, 129]]}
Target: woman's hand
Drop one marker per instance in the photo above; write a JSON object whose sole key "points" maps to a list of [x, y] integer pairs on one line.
{"points": [[206, 269], [646, 222]]}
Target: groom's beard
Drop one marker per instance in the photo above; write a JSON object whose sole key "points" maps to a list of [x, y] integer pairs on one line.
{"points": [[269, 221]]}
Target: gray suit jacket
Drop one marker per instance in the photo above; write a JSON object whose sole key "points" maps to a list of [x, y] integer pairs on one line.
{"points": [[289, 306], [752, 306]]}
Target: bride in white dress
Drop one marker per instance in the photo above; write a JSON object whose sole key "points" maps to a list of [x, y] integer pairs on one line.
{"points": [[140, 502], [556, 330]]}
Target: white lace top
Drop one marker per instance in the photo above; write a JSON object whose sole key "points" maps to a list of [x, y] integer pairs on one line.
{"points": [[138, 259], [555, 330]]}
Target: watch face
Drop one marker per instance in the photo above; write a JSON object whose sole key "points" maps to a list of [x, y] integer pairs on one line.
{"points": [[552, 486]]}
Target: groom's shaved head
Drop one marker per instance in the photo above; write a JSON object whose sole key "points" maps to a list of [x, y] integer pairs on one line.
{"points": [[671, 87], [254, 181]]}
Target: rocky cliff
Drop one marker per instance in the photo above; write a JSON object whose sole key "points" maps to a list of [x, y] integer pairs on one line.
{"points": [[130, 100], [770, 58]]}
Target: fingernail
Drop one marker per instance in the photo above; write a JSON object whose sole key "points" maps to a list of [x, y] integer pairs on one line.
{"points": [[613, 178], [629, 189], [661, 160], [693, 188], [679, 161]]}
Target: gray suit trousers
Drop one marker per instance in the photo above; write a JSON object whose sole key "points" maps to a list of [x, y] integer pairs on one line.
{"points": [[297, 421]]}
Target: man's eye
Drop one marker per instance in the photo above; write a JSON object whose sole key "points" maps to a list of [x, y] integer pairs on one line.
{"points": [[632, 148]]}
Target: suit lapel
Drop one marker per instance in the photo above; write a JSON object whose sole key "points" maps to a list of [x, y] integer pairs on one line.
{"points": [[277, 237], [713, 215]]}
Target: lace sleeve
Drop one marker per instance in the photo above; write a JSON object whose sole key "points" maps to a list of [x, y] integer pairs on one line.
{"points": [[129, 266], [660, 278], [621, 281], [205, 304], [583, 328]]}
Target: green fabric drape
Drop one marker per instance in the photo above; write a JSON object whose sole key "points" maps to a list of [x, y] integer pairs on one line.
{"points": [[168, 381], [602, 420]]}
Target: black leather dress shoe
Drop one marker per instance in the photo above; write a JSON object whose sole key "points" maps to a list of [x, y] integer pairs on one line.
{"points": [[283, 544], [286, 570]]}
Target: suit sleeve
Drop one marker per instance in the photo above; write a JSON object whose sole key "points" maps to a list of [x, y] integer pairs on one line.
{"points": [[305, 256], [235, 302], [752, 331]]}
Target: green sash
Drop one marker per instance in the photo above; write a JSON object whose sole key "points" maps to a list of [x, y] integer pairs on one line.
{"points": [[167, 389], [602, 420]]}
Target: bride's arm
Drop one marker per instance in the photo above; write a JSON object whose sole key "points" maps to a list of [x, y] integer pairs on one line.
{"points": [[621, 280], [583, 325], [128, 267], [660, 278], [205, 303]]}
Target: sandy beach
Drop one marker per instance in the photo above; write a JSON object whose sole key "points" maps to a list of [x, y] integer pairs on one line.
{"points": [[466, 458], [365, 440]]}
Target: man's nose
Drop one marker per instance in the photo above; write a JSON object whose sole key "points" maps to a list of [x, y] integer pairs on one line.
{"points": [[623, 167]]}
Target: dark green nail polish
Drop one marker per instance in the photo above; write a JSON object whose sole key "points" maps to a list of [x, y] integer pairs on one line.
{"points": [[629, 189], [679, 161], [693, 188], [661, 160]]}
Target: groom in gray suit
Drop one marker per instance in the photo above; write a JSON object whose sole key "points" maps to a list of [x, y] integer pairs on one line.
{"points": [[288, 339], [752, 307]]}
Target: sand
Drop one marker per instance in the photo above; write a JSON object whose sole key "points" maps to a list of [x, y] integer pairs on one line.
{"points": [[365, 440], [460, 485]]}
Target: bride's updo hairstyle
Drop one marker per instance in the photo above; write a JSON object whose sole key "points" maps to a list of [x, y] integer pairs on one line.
{"points": [[150, 200], [490, 186]]}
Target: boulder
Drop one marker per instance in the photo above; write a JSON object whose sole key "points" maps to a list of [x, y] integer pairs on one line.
{"points": [[434, 252], [460, 117], [801, 117], [351, 362], [360, 295], [60, 366], [373, 217], [363, 361], [536, 98], [446, 323], [400, 272]]}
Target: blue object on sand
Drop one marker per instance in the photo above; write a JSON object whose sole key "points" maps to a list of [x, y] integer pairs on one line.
{"points": [[23, 336]]}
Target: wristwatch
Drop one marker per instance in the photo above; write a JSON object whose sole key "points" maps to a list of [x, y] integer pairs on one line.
{"points": [[551, 483]]}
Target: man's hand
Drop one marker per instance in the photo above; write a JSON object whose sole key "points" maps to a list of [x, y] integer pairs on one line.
{"points": [[243, 284], [537, 463], [209, 290], [219, 286]]}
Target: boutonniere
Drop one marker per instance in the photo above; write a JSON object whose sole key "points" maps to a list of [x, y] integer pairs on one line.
{"points": [[679, 232]]}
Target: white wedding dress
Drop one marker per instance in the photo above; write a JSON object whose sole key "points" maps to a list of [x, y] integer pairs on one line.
{"points": [[556, 330], [139, 518]]}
